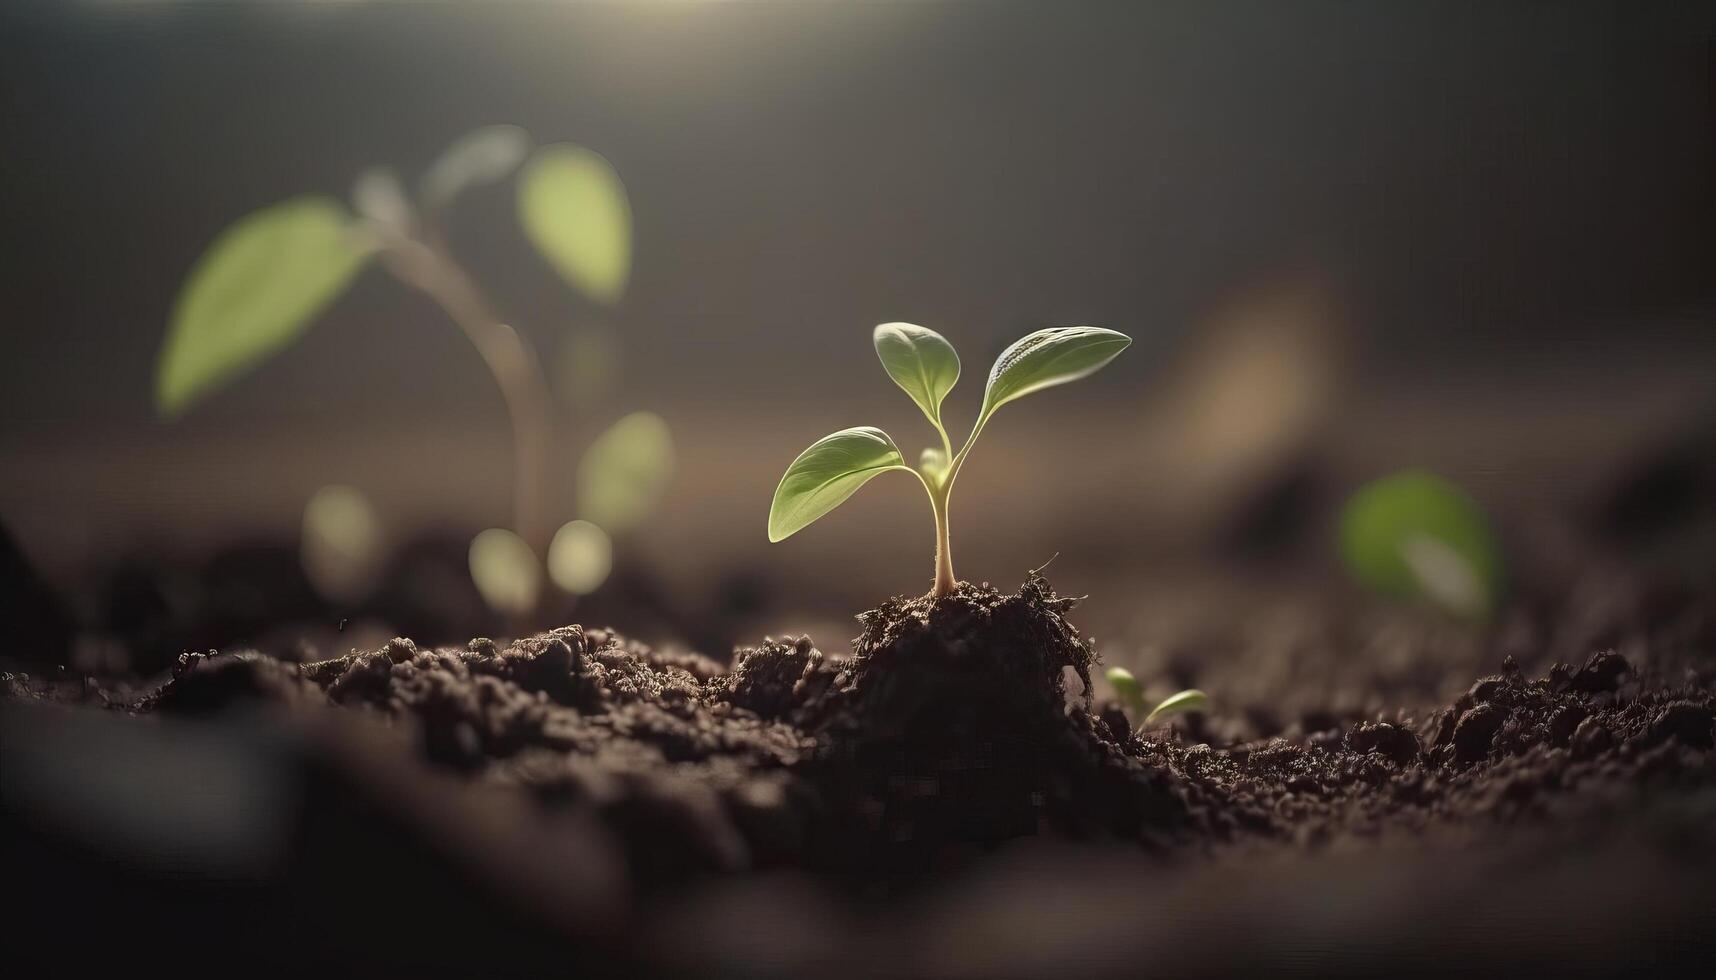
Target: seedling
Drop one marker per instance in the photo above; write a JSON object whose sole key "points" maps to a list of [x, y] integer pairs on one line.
{"points": [[264, 281], [926, 367], [1132, 696]]}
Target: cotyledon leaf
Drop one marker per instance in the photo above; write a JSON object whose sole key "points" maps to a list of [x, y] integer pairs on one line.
{"points": [[255, 290], [823, 476], [921, 362], [1193, 700], [1049, 357]]}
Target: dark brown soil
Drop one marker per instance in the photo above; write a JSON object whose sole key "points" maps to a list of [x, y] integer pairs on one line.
{"points": [[955, 726]]}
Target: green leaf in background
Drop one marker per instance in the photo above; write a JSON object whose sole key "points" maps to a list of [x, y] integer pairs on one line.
{"points": [[823, 476], [574, 209], [505, 571], [481, 156], [254, 291], [1416, 535], [1180, 703], [378, 196], [625, 471], [580, 557], [1126, 687], [1047, 358], [341, 545], [921, 362]]}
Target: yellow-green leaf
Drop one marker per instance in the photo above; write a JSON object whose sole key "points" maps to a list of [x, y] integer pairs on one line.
{"points": [[823, 476], [625, 471], [1185, 701], [1047, 358], [505, 571], [921, 362], [573, 206], [255, 290], [580, 557], [481, 156]]}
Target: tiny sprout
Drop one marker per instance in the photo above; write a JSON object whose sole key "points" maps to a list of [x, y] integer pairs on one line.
{"points": [[1131, 694], [926, 367]]}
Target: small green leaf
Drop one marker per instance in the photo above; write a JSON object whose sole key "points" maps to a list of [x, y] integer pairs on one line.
{"points": [[625, 472], [580, 557], [1126, 687], [1193, 700], [823, 476], [1416, 535], [921, 362], [1047, 358], [573, 206], [481, 156], [254, 291], [341, 545], [506, 571]]}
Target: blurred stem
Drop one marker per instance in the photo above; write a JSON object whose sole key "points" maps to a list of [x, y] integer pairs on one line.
{"points": [[426, 263]]}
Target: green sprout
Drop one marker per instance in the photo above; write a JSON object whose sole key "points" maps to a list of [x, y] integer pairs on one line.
{"points": [[926, 367], [265, 280], [1131, 694]]}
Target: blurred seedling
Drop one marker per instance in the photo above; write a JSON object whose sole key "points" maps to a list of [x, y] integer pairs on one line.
{"points": [[926, 367], [1131, 694], [264, 280], [1416, 535]]}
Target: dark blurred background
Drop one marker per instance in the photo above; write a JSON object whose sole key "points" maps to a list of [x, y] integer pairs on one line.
{"points": [[1347, 238]]}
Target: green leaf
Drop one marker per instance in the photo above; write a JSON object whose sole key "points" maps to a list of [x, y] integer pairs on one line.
{"points": [[823, 476], [1414, 534], [580, 557], [573, 206], [1047, 358], [625, 472], [481, 156], [506, 571], [1126, 687], [255, 290], [921, 362], [341, 544], [1193, 700]]}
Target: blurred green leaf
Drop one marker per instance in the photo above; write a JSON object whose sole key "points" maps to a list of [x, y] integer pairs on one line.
{"points": [[921, 362], [573, 206], [341, 544], [1126, 687], [254, 291], [505, 571], [1180, 703], [625, 472], [1414, 534], [823, 476], [580, 557], [1047, 358], [378, 196], [481, 156]]}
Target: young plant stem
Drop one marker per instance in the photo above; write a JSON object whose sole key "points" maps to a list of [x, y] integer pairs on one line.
{"points": [[430, 267], [944, 580]]}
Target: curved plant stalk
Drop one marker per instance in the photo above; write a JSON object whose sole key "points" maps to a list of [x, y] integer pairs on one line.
{"points": [[425, 263]]}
